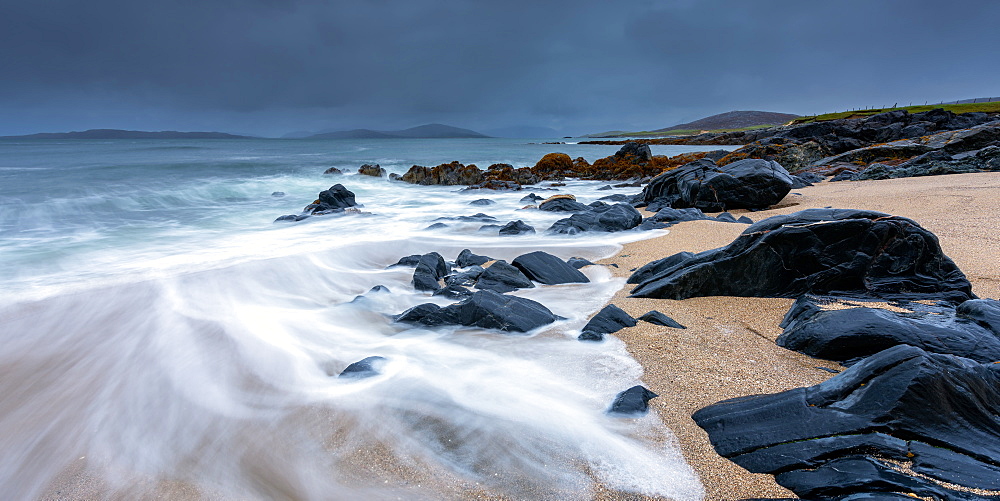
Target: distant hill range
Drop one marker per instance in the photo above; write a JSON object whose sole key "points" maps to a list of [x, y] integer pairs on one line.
{"points": [[727, 120], [524, 132], [429, 131], [128, 134]]}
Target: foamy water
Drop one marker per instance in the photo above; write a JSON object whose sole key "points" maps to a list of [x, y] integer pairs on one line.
{"points": [[160, 332]]}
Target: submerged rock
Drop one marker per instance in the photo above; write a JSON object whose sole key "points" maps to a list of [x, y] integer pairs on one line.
{"points": [[516, 228], [485, 309], [502, 277], [632, 402], [545, 268], [815, 251], [482, 201], [578, 262], [372, 170], [363, 368], [938, 414], [609, 218]]}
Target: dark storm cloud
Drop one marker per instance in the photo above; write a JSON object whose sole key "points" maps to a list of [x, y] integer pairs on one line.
{"points": [[273, 65]]}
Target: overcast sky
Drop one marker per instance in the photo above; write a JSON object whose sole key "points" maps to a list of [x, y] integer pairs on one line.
{"points": [[274, 66]]}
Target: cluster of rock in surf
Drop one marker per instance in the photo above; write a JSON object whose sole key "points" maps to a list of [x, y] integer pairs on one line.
{"points": [[918, 410]]}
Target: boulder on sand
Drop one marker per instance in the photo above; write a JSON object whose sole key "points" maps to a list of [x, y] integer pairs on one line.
{"points": [[816, 251], [744, 184]]}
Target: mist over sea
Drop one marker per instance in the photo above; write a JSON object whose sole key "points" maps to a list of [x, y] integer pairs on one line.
{"points": [[158, 332]]}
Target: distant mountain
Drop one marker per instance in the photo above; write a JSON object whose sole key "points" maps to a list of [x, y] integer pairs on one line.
{"points": [[128, 134], [734, 120], [429, 131], [524, 132]]}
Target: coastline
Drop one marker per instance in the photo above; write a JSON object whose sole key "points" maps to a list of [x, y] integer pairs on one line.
{"points": [[728, 349]]}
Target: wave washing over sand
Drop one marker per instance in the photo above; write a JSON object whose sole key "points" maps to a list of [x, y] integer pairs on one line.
{"points": [[162, 337]]}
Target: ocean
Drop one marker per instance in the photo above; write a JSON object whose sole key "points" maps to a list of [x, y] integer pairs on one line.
{"points": [[158, 331]]}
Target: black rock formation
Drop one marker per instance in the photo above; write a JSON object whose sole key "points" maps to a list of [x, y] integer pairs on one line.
{"points": [[466, 258], [656, 318], [578, 262], [855, 329], [547, 269], [430, 268], [609, 320], [366, 367], [609, 218], [516, 228], [563, 205], [531, 198], [938, 414], [632, 402], [485, 309], [502, 277], [337, 197], [744, 184], [815, 251], [634, 152]]}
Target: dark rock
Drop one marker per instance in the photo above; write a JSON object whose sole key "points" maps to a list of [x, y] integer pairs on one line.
{"points": [[495, 185], [716, 155], [436, 226], [366, 367], [478, 217], [656, 318], [337, 197], [411, 260], [277, 193], [485, 309], [851, 251], [659, 267], [744, 184], [604, 188], [489, 228], [852, 329], [809, 177], [292, 217], [547, 269], [371, 170], [563, 205], [453, 292], [610, 218], [502, 277], [466, 258], [888, 405], [672, 216], [846, 175], [465, 278], [430, 269], [744, 220], [333, 171], [531, 198], [379, 289], [482, 201], [590, 336], [445, 174], [609, 320], [726, 217], [516, 228], [417, 313], [634, 152], [617, 197], [632, 402], [660, 203], [578, 262]]}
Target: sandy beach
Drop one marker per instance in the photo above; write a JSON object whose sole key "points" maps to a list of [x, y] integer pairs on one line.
{"points": [[728, 349]]}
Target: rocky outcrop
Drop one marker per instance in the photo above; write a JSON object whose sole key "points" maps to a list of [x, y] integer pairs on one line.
{"points": [[372, 170], [451, 174], [332, 171], [466, 258], [516, 228], [937, 415], [632, 402], [430, 269], [562, 203], [848, 329], [485, 309], [602, 217], [502, 277], [815, 251], [745, 184]]}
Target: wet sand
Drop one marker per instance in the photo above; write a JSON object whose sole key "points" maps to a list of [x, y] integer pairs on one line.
{"points": [[728, 348]]}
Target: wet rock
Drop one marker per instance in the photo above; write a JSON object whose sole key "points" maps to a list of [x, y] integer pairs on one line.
{"points": [[372, 170], [849, 329], [605, 188], [465, 278], [609, 218], [436, 226], [656, 318], [815, 251], [609, 320], [617, 197], [531, 198], [363, 368], [502, 277], [893, 405], [277, 194], [659, 267], [417, 313], [489, 228], [478, 217], [332, 171], [516, 228], [634, 152], [744, 220], [482, 201], [845, 175], [578, 262], [672, 216], [292, 218], [547, 269], [445, 174], [591, 336], [466, 258], [495, 185], [485, 309], [726, 217], [430, 269], [562, 203], [453, 292], [743, 184], [410, 260], [632, 402], [337, 197]]}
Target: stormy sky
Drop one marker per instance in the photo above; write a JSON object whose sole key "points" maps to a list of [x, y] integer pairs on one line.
{"points": [[269, 67]]}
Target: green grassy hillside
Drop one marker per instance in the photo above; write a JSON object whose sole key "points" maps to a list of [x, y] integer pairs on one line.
{"points": [[993, 107]]}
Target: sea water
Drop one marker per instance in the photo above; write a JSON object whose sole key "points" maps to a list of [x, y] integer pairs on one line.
{"points": [[159, 333]]}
